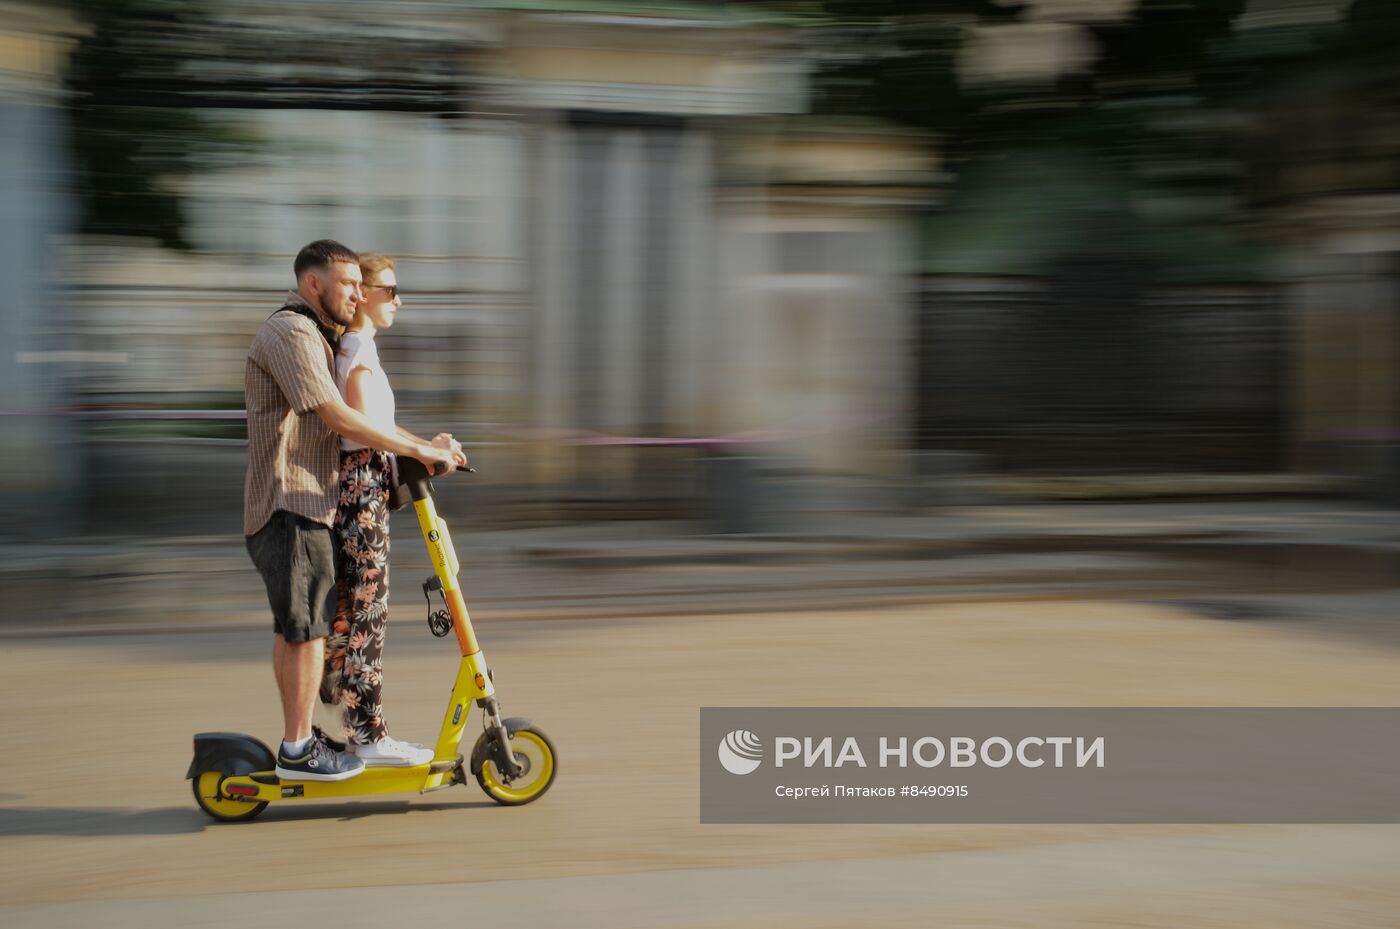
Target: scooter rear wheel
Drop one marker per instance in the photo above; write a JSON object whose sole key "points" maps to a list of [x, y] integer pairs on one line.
{"points": [[534, 752], [206, 794]]}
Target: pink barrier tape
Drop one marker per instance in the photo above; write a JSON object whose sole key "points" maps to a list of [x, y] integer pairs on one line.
{"points": [[567, 436]]}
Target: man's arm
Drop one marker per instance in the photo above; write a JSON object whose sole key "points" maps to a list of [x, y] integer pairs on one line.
{"points": [[345, 421], [355, 398], [296, 361], [410, 437], [442, 440]]}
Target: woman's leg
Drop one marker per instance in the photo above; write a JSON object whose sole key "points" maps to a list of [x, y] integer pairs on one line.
{"points": [[362, 524], [339, 637], [345, 514]]}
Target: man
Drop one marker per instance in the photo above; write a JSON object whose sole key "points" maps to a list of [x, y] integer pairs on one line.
{"points": [[295, 420]]}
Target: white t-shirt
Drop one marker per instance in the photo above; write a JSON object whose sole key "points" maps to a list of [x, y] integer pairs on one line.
{"points": [[358, 351]]}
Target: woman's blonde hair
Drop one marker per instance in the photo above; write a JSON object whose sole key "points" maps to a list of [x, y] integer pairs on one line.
{"points": [[371, 263]]}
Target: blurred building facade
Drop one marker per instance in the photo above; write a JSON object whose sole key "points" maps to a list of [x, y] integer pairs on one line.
{"points": [[627, 246], [615, 254], [34, 210]]}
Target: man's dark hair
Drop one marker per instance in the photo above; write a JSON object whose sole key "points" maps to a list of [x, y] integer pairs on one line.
{"points": [[321, 254]]}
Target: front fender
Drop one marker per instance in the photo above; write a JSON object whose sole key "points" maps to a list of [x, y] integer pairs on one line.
{"points": [[229, 753], [486, 746]]}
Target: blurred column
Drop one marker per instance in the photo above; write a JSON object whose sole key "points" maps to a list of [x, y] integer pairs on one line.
{"points": [[821, 262], [552, 331], [622, 281], [695, 336], [34, 207], [1347, 342]]}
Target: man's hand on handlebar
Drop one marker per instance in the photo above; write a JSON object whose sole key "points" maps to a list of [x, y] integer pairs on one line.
{"points": [[438, 460], [444, 440]]}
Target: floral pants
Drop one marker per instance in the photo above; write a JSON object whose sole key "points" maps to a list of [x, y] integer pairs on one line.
{"points": [[354, 675]]}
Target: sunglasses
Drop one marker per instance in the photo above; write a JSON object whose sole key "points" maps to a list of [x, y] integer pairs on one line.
{"points": [[392, 288]]}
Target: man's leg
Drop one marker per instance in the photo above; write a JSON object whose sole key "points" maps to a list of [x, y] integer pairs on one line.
{"points": [[303, 757], [297, 562], [298, 667]]}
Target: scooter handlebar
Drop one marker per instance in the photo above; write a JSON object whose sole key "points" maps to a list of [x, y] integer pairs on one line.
{"points": [[411, 469], [439, 469]]}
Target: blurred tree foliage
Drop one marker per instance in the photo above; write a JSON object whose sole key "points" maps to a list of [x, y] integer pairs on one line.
{"points": [[1168, 103], [898, 58], [134, 135]]}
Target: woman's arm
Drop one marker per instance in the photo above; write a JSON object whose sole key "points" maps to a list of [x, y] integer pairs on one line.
{"points": [[355, 394]]}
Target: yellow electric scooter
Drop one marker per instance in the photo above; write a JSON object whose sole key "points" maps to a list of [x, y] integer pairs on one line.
{"points": [[512, 760]]}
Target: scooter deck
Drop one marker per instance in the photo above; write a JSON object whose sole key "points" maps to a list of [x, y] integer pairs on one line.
{"points": [[267, 786]]}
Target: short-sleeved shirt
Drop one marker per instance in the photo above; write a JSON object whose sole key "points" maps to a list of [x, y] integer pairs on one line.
{"points": [[358, 350], [293, 457]]}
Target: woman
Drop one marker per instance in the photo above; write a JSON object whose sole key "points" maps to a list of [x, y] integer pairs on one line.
{"points": [[354, 651]]}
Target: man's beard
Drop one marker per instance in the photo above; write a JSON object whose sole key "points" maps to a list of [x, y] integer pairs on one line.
{"points": [[344, 316]]}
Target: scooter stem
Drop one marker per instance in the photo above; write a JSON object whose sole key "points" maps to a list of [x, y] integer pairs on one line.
{"points": [[445, 566]]}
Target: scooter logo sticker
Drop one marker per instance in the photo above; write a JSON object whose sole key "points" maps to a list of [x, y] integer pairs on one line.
{"points": [[432, 535], [740, 752]]}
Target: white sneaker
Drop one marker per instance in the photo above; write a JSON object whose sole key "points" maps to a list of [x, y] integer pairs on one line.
{"points": [[392, 752]]}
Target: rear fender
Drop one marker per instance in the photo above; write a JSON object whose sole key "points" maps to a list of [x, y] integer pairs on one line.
{"points": [[229, 753]]}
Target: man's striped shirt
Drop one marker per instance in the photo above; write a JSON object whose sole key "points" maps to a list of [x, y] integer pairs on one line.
{"points": [[293, 458]]}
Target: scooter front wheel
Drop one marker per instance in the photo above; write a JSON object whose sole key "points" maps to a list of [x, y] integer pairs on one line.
{"points": [[535, 754], [206, 794]]}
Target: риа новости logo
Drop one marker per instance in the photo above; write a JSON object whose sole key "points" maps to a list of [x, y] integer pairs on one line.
{"points": [[740, 752]]}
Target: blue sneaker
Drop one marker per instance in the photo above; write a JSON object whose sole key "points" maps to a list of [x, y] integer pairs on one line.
{"points": [[319, 763]]}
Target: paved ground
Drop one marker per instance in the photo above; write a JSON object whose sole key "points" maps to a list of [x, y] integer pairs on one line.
{"points": [[613, 635], [97, 826]]}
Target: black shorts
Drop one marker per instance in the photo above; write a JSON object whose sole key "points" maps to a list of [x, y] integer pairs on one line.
{"points": [[296, 558]]}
